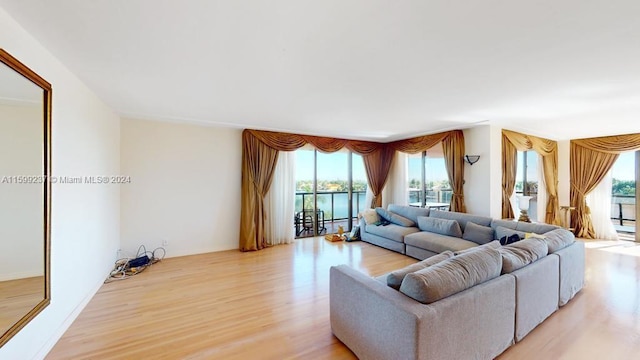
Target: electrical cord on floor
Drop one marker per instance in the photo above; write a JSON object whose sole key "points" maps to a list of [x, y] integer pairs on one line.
{"points": [[127, 267]]}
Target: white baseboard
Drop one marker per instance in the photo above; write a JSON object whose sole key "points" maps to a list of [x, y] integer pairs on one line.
{"points": [[46, 348]]}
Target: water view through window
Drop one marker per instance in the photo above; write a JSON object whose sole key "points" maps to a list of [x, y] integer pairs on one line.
{"points": [[428, 179], [332, 189]]}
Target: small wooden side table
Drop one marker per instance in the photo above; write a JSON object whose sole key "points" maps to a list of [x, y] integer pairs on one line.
{"points": [[566, 216]]}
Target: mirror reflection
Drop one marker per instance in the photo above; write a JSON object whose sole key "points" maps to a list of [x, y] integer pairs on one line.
{"points": [[22, 201]]}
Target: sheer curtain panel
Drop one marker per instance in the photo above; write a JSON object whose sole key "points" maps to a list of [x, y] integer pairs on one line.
{"points": [[599, 201], [279, 202], [396, 189]]}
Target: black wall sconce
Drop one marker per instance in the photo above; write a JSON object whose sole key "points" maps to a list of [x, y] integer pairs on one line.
{"points": [[471, 159]]}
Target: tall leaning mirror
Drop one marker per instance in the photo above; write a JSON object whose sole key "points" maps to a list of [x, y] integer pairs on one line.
{"points": [[25, 195]]}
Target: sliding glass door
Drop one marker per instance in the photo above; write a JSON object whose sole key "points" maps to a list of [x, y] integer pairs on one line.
{"points": [[428, 180], [624, 203], [330, 191]]}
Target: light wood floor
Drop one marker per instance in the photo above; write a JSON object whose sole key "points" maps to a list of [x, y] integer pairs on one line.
{"points": [[18, 297], [274, 304]]}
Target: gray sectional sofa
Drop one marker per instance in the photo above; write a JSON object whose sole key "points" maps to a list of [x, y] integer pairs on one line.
{"points": [[469, 298]]}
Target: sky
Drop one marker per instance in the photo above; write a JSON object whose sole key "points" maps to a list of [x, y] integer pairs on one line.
{"points": [[436, 170], [624, 168], [332, 166]]}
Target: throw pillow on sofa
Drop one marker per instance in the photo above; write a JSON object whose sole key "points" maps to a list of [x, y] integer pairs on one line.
{"points": [[477, 233], [509, 240], [394, 218], [439, 226], [451, 276], [370, 216], [394, 278], [502, 231], [522, 253]]}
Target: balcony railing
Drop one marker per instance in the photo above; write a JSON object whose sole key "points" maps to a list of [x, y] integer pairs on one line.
{"points": [[334, 204], [432, 195], [623, 212]]}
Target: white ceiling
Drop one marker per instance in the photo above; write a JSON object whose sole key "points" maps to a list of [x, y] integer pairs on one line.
{"points": [[363, 69]]}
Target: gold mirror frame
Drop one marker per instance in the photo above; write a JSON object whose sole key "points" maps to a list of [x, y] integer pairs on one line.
{"points": [[28, 74]]}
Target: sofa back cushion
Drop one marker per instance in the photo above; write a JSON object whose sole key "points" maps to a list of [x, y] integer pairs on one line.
{"points": [[394, 278], [477, 233], [509, 224], [461, 218], [451, 276], [522, 253], [410, 212], [439, 226], [394, 218], [558, 239], [537, 228]]}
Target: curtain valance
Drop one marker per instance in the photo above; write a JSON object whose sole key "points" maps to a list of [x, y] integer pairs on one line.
{"points": [[610, 144], [290, 142]]}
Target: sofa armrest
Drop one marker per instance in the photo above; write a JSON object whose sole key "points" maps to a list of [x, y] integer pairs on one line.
{"points": [[362, 224], [372, 319], [572, 268]]}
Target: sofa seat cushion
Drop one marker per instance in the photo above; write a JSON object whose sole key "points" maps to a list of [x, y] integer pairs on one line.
{"points": [[558, 239], [394, 218], [461, 218], [394, 278], [478, 234], [392, 231], [410, 212], [437, 243], [522, 253], [451, 276], [440, 226]]}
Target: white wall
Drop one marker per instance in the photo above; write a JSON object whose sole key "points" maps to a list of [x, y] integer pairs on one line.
{"points": [[21, 223], [564, 172], [85, 218], [483, 180], [185, 187]]}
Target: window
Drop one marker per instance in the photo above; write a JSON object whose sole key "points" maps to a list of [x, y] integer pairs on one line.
{"points": [[330, 191], [623, 195], [527, 182], [428, 182]]}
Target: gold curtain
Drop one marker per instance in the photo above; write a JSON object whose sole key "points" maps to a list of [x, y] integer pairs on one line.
{"points": [[453, 149], [590, 161], [260, 154], [258, 165], [549, 151], [420, 143], [611, 144], [377, 165], [509, 167]]}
